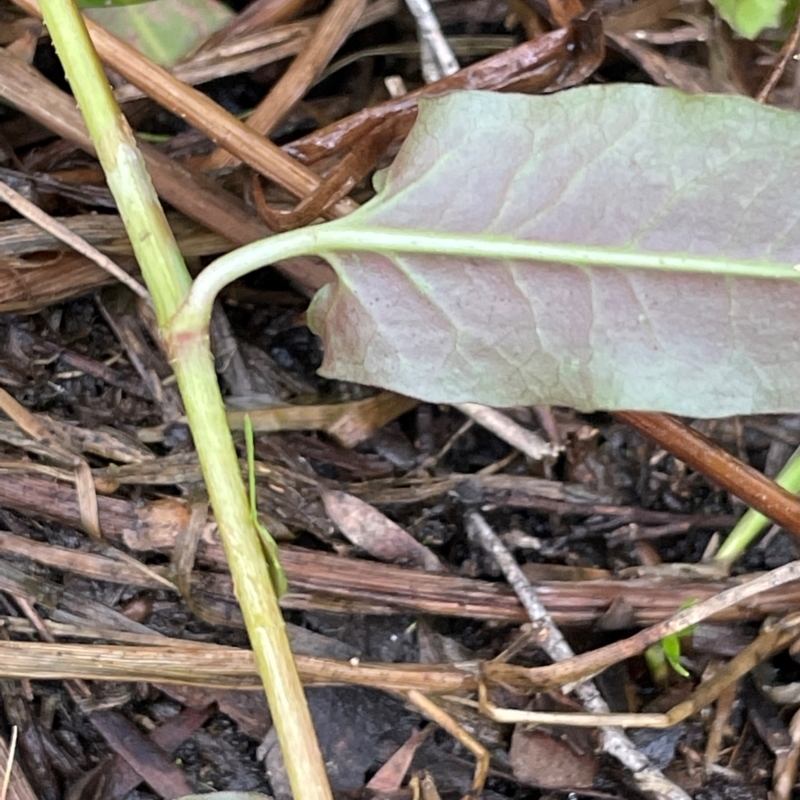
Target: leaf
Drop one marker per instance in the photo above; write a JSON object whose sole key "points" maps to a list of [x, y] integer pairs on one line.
{"points": [[668, 650], [163, 30], [671, 646], [750, 17], [647, 178], [368, 528]]}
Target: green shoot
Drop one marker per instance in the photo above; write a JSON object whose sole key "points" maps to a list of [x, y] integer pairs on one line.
{"points": [[667, 652], [753, 522], [269, 544]]}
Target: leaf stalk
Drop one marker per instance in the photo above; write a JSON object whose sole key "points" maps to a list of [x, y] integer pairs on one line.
{"points": [[345, 234]]}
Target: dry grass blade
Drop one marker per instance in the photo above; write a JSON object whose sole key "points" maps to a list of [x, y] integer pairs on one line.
{"points": [[15, 784], [62, 232], [253, 50], [174, 661], [349, 422], [445, 721], [191, 192], [527, 442], [334, 27], [201, 112]]}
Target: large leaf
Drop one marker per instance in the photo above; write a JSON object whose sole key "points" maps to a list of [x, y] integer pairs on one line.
{"points": [[643, 170]]}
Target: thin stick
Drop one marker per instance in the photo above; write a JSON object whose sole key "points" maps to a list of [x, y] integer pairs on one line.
{"points": [[552, 641], [787, 51], [445, 721], [12, 751], [63, 233], [597, 660], [438, 59], [527, 442]]}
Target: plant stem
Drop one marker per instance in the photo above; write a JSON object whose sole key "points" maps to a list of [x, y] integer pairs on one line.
{"points": [[194, 369], [752, 522], [156, 251], [346, 234], [169, 283]]}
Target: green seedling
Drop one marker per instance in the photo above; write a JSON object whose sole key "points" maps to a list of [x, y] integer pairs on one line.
{"points": [[269, 544], [667, 652]]}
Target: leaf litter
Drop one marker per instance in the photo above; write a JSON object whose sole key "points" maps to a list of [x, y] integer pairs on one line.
{"points": [[604, 497]]}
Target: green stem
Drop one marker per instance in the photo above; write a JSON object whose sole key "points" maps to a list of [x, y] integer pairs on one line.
{"points": [[205, 410], [346, 235], [753, 522], [169, 283], [154, 245]]}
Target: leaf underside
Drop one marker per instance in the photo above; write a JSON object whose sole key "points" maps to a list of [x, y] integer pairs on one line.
{"points": [[623, 166]]}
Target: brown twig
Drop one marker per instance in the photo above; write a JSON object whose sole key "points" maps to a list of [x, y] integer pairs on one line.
{"points": [[259, 14], [559, 59], [334, 27], [191, 192], [787, 51], [720, 466], [198, 664], [200, 111], [597, 660]]}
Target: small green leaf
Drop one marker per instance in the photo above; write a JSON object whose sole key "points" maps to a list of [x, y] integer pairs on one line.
{"points": [[750, 17], [270, 546], [671, 645], [668, 651]]}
